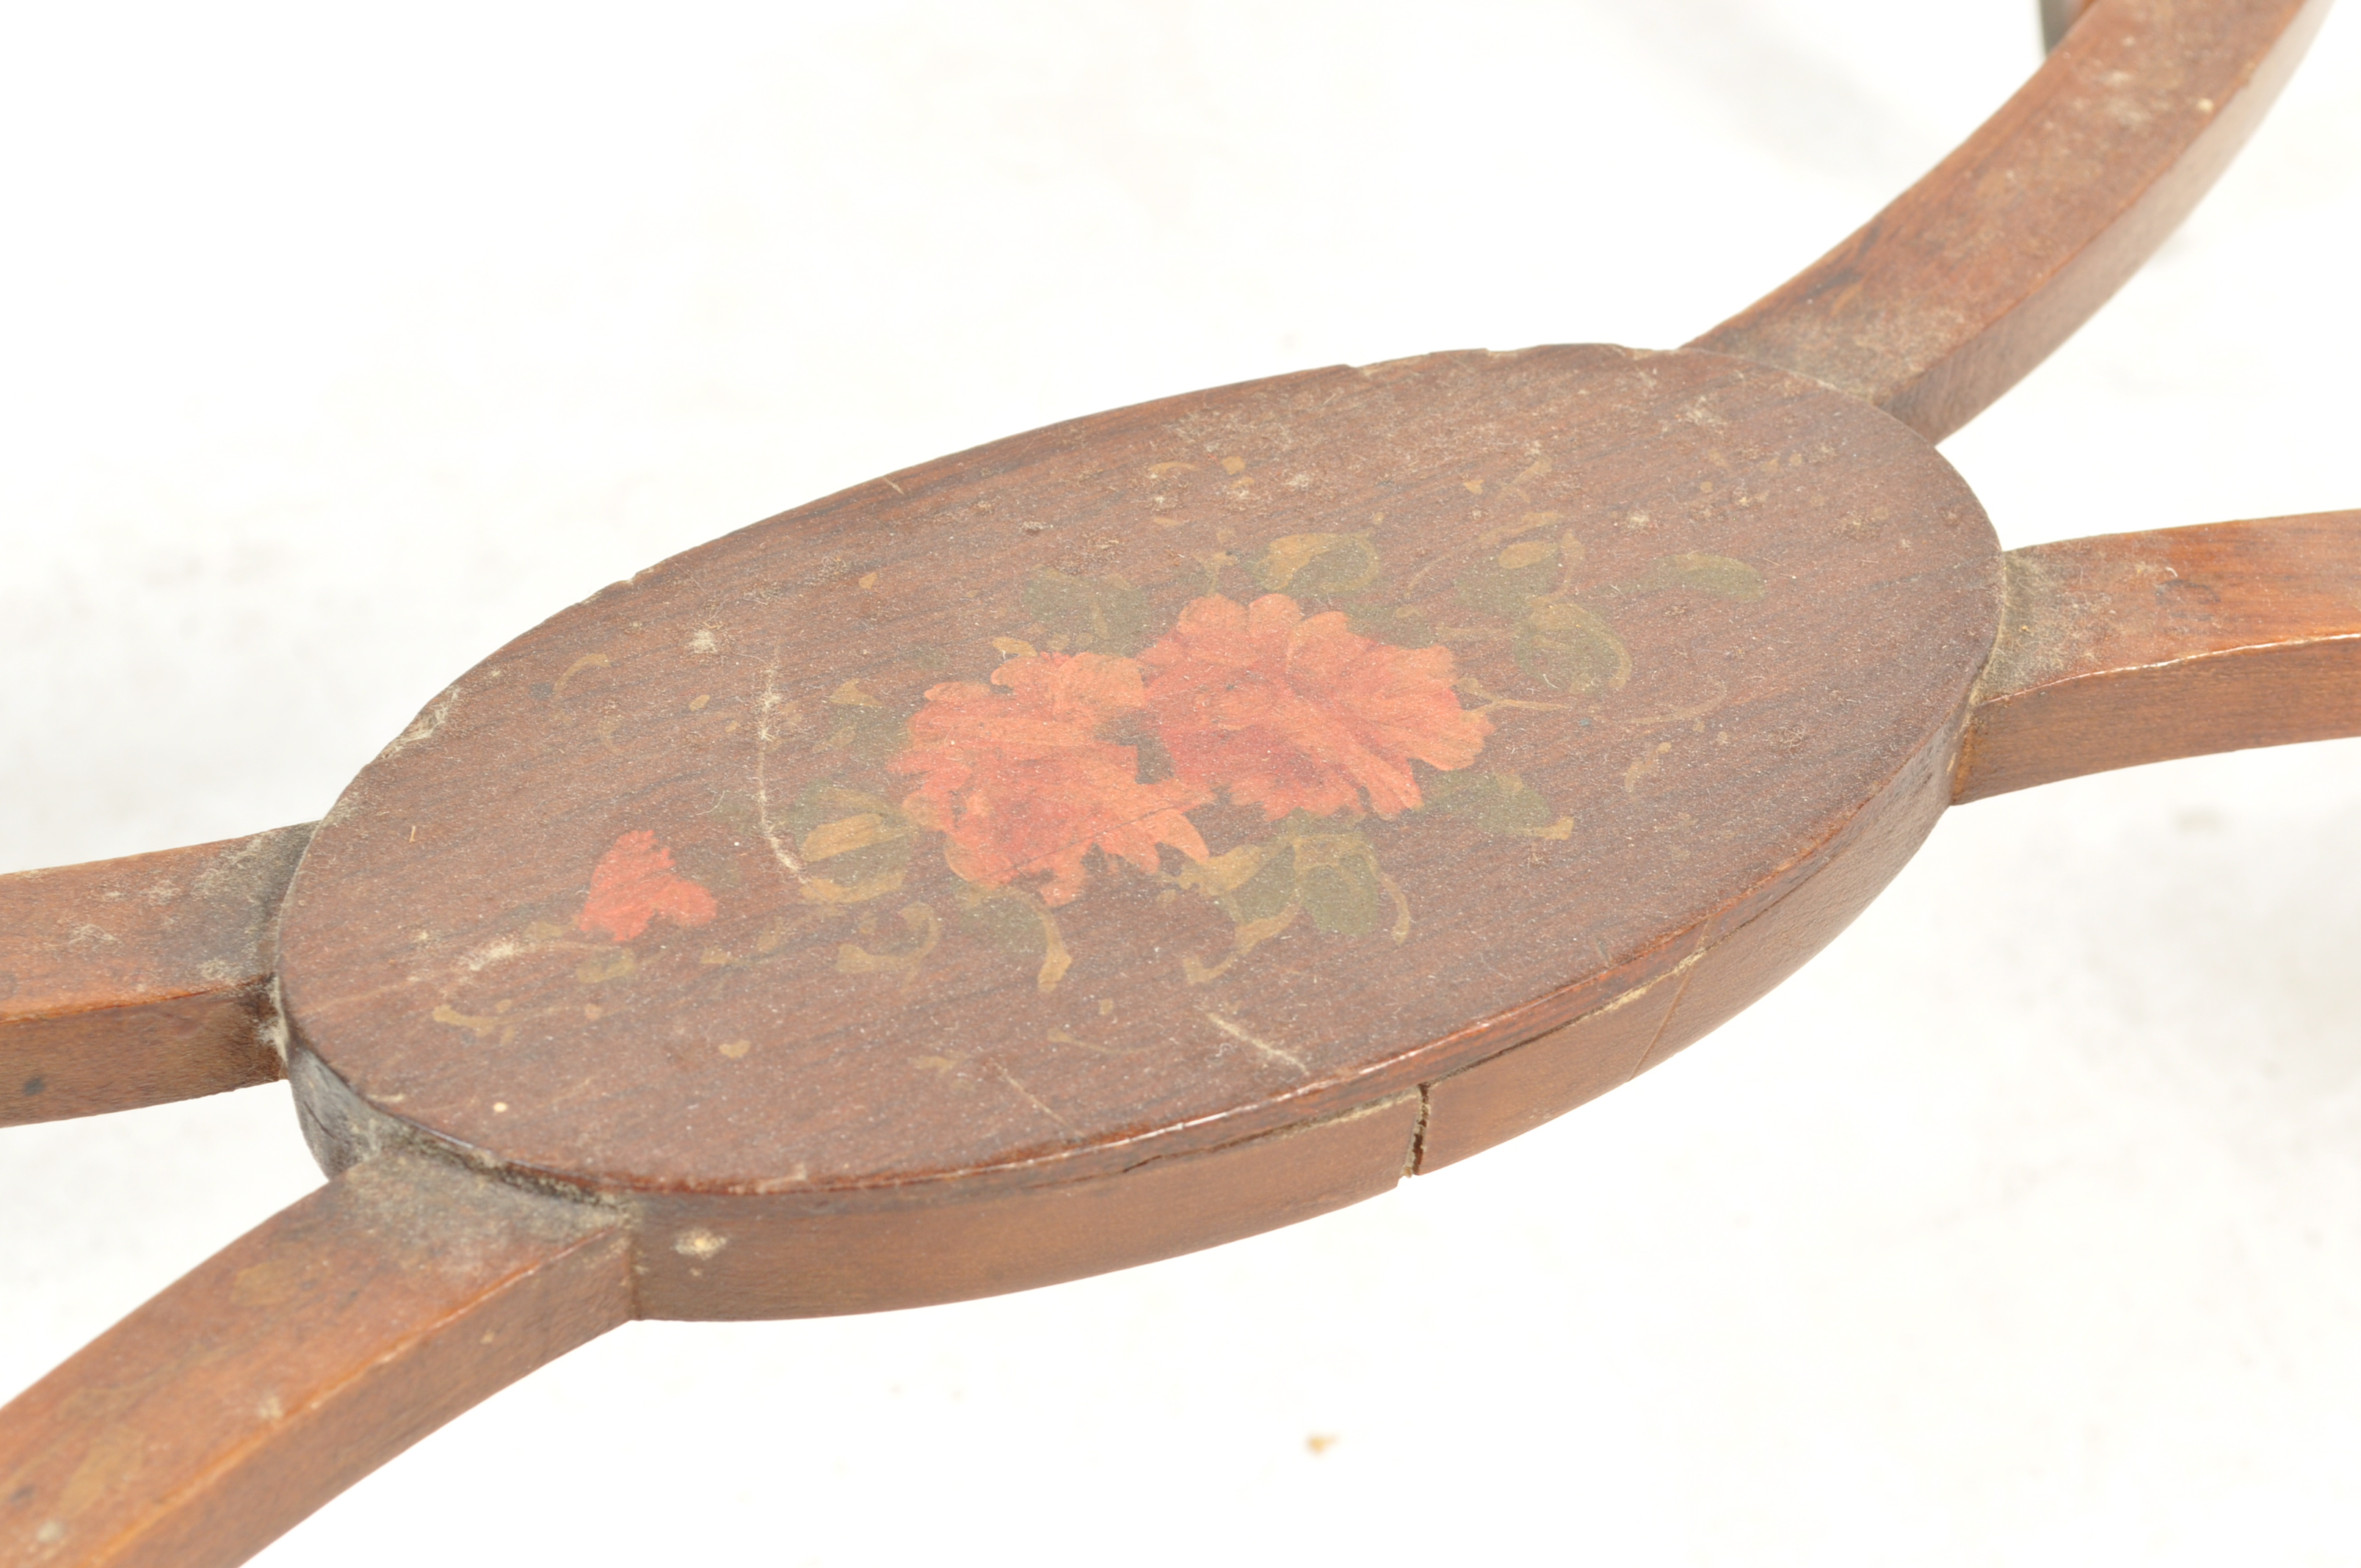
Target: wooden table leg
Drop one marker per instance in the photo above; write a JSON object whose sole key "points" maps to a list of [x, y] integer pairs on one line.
{"points": [[1968, 280], [298, 1359], [141, 981], [2139, 647]]}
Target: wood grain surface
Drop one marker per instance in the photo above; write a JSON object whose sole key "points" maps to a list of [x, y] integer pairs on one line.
{"points": [[1472, 1109], [295, 1361], [141, 981], [2135, 648], [1944, 301], [1148, 831], [1586, 659]]}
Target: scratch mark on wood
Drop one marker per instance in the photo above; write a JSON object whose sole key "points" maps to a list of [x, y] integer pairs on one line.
{"points": [[789, 867], [1034, 1099], [1268, 1051]]}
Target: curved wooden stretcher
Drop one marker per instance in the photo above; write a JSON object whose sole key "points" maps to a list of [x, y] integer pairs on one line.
{"points": [[780, 933]]}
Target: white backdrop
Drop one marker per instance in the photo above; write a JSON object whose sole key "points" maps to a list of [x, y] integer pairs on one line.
{"points": [[338, 345]]}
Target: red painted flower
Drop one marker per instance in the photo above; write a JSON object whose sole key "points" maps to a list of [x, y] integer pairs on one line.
{"points": [[634, 883], [1021, 783], [1296, 714]]}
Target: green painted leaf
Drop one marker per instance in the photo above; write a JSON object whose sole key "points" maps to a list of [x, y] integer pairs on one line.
{"points": [[1336, 877], [823, 800], [1305, 865], [1317, 565], [1400, 625], [1498, 803], [1568, 649], [1008, 923], [1720, 576], [1511, 580], [875, 733], [1266, 894], [849, 835], [1251, 882], [1097, 615], [1345, 896]]}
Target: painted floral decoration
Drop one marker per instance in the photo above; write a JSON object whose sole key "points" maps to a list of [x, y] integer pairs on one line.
{"points": [[1177, 773], [634, 883], [1295, 713], [1023, 783], [1325, 701]]}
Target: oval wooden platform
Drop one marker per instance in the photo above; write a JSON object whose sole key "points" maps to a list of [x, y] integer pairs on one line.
{"points": [[1029, 823]]}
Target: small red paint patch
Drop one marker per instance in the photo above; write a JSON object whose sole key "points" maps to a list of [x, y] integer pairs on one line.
{"points": [[633, 884]]}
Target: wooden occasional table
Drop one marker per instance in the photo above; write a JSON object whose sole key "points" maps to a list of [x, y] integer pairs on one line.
{"points": [[1141, 832]]}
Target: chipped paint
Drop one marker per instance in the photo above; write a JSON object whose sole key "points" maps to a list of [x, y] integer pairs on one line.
{"points": [[699, 1243]]}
